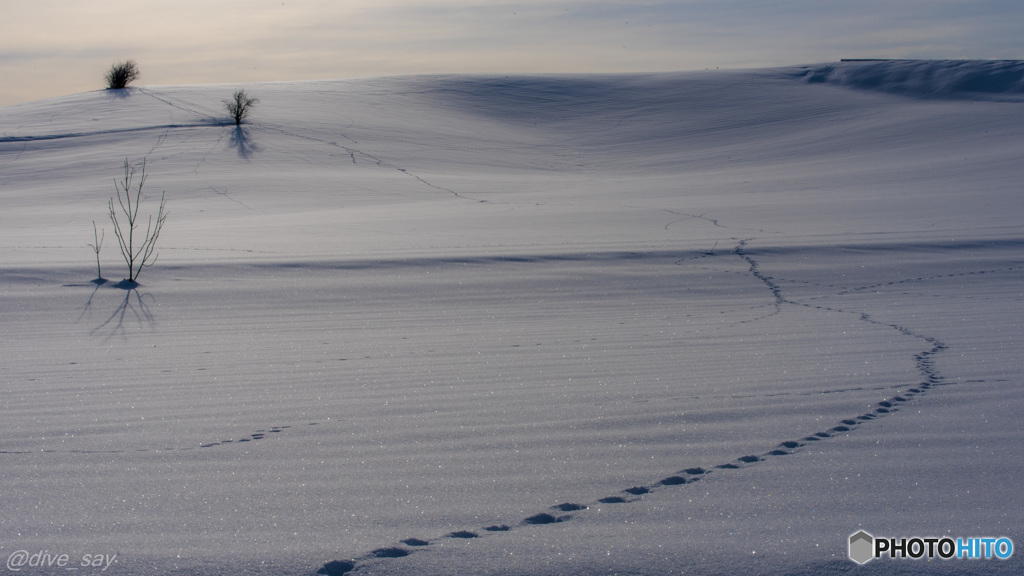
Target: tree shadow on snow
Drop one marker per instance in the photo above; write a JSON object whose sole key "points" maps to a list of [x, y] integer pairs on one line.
{"points": [[241, 140]]}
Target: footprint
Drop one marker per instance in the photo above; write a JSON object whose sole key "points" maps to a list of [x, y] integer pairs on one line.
{"points": [[498, 528], [567, 507], [463, 534], [542, 518], [637, 490], [336, 568], [695, 471], [415, 542], [613, 500], [749, 459], [391, 552], [673, 481]]}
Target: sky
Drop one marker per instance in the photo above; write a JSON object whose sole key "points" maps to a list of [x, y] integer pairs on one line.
{"points": [[51, 48]]}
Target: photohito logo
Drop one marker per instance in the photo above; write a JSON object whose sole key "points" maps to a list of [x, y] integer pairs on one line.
{"points": [[864, 547]]}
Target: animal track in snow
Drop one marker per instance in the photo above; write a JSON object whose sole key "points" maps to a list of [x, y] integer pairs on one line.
{"points": [[389, 552], [253, 437], [924, 361], [544, 518], [354, 153]]}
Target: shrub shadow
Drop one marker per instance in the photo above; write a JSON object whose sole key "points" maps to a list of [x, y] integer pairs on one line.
{"points": [[119, 93], [133, 310]]}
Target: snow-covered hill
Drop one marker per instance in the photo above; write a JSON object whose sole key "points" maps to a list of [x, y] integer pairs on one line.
{"points": [[709, 322]]}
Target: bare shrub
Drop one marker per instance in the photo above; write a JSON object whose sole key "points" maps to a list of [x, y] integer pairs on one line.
{"points": [[121, 74], [240, 105], [138, 252], [96, 248]]}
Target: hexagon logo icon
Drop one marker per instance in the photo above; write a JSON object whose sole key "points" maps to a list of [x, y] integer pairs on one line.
{"points": [[861, 547]]}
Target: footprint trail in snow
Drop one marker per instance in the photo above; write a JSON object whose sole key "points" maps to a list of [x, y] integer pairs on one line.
{"points": [[679, 480]]}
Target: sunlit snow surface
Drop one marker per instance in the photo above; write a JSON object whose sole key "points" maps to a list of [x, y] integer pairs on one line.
{"points": [[697, 323]]}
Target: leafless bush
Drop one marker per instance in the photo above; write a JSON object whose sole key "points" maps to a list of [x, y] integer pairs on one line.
{"points": [[138, 253], [121, 74], [240, 105], [96, 248]]}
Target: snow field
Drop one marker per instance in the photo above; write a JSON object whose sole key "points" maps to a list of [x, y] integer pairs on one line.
{"points": [[697, 323]]}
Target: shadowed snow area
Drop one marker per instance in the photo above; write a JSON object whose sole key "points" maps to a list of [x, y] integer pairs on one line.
{"points": [[951, 79], [709, 323]]}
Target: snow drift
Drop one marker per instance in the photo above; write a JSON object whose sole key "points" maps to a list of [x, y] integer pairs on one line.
{"points": [[957, 79]]}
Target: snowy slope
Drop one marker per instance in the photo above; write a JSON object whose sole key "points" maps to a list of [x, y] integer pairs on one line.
{"points": [[726, 318]]}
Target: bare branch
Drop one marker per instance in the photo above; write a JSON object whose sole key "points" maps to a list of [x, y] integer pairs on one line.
{"points": [[96, 248], [141, 255]]}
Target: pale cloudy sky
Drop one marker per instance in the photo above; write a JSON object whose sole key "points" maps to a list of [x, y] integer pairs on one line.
{"points": [[55, 47]]}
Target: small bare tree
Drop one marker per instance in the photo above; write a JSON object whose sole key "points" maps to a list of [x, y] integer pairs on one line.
{"points": [[121, 74], [240, 105], [137, 254], [96, 248]]}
